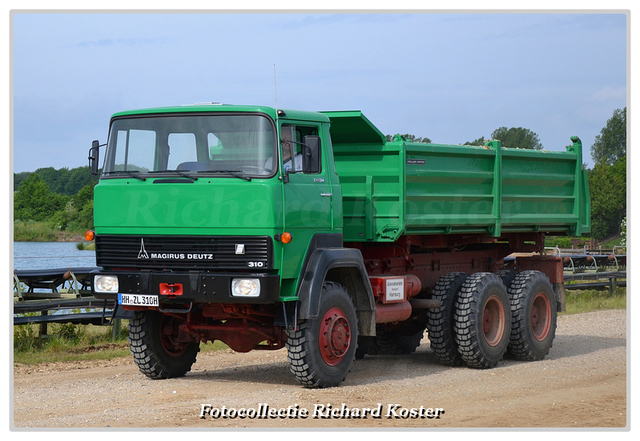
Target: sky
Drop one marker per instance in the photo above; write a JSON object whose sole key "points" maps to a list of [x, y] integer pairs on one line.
{"points": [[451, 77]]}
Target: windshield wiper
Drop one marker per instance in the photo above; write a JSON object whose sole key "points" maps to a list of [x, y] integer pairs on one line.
{"points": [[235, 173], [181, 173], [132, 173]]}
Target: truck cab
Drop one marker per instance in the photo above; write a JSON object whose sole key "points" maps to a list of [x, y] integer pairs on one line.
{"points": [[205, 217], [198, 188]]}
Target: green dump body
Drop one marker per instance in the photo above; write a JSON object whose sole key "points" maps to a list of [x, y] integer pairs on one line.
{"points": [[397, 188]]}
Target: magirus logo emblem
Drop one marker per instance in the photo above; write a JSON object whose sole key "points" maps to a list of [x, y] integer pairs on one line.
{"points": [[143, 253]]}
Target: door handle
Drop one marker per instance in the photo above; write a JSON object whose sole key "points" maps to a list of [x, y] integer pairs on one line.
{"points": [[326, 195]]}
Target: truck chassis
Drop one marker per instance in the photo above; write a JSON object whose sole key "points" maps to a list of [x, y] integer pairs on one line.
{"points": [[456, 288]]}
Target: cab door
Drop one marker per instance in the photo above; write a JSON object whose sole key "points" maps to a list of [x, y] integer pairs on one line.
{"points": [[308, 199]]}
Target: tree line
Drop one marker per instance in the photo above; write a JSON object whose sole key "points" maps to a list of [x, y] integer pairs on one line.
{"points": [[608, 177], [514, 137], [64, 198], [61, 198], [63, 181]]}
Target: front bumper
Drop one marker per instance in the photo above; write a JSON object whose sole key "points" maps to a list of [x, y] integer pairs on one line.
{"points": [[189, 286]]}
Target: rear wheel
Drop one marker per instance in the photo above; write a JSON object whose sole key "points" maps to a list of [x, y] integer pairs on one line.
{"points": [[482, 320], [535, 315], [440, 322], [159, 348], [322, 349]]}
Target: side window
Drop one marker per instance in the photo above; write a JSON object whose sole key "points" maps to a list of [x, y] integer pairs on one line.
{"points": [[291, 158], [293, 149]]}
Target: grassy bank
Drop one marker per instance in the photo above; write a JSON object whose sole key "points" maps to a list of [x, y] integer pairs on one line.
{"points": [[32, 231], [66, 342], [593, 300]]}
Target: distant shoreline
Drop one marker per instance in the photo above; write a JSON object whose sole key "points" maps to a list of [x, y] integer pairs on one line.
{"points": [[74, 238], [81, 243]]}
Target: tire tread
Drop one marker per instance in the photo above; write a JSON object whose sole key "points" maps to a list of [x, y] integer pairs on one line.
{"points": [[466, 319], [141, 342]]}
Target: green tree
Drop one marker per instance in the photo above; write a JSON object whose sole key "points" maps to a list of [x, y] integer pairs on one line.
{"points": [[77, 214], [410, 138], [62, 181], [608, 189], [85, 216], [84, 202], [480, 141], [65, 218], [517, 137], [84, 196], [18, 178], [34, 200], [55, 179], [611, 144]]}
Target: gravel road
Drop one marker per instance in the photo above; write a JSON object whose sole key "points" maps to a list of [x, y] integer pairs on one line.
{"points": [[582, 383]]}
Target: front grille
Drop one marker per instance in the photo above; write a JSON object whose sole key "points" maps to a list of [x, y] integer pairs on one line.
{"points": [[184, 252]]}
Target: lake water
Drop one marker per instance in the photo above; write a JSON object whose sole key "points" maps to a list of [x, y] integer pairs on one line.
{"points": [[46, 255]]}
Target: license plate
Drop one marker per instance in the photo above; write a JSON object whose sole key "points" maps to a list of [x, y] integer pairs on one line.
{"points": [[138, 300]]}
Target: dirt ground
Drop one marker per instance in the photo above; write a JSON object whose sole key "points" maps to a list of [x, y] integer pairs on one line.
{"points": [[582, 383]]}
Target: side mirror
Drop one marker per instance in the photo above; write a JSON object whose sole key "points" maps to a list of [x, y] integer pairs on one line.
{"points": [[94, 154], [311, 154]]}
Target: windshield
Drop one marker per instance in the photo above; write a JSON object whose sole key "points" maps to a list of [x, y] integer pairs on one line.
{"points": [[218, 144]]}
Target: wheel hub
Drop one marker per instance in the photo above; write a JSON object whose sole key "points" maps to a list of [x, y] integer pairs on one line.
{"points": [[540, 314], [169, 337], [335, 336], [493, 321]]}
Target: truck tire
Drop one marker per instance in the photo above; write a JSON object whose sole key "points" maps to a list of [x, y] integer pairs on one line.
{"points": [[322, 349], [534, 316], [154, 346], [482, 320], [440, 322], [395, 343]]}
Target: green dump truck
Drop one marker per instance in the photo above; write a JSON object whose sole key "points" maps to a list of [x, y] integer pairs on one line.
{"points": [[267, 228]]}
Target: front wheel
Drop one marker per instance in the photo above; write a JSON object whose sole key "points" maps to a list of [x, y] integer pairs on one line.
{"points": [[322, 349], [159, 348]]}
